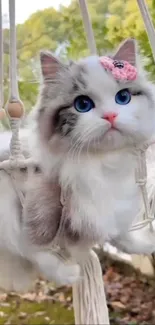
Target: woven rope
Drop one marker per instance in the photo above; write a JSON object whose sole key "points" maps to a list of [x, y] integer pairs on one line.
{"points": [[15, 149], [141, 179]]}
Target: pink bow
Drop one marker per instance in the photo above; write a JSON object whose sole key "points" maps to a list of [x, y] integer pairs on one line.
{"points": [[121, 70]]}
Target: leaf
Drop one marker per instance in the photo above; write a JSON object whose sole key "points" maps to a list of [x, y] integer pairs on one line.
{"points": [[117, 304]]}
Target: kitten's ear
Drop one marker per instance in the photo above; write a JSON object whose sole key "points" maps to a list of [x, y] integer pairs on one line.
{"points": [[50, 65], [127, 51]]}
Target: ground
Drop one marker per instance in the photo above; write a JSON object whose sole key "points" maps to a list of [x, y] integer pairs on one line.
{"points": [[130, 296]]}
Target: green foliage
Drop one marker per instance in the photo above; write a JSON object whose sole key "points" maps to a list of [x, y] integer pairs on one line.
{"points": [[63, 31], [20, 311]]}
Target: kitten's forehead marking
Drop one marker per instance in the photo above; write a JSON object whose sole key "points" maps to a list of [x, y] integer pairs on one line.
{"points": [[78, 72]]}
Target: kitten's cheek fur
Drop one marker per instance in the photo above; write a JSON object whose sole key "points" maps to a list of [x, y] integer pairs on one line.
{"points": [[58, 144], [136, 131]]}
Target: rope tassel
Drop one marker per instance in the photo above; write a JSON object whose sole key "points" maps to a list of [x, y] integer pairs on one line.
{"points": [[89, 299]]}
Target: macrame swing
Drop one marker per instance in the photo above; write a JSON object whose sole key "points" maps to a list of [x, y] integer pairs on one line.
{"points": [[88, 295]]}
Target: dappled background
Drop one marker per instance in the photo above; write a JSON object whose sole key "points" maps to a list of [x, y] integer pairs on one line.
{"points": [[61, 31]]}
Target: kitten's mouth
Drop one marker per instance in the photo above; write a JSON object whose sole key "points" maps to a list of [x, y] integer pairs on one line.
{"points": [[112, 133], [113, 128]]}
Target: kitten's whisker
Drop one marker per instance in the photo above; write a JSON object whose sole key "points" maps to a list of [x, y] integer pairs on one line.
{"points": [[80, 141], [86, 137], [87, 152]]}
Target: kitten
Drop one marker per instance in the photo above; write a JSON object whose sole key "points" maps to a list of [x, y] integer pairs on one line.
{"points": [[87, 128]]}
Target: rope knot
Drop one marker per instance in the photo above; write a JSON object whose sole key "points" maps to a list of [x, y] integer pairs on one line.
{"points": [[141, 181]]}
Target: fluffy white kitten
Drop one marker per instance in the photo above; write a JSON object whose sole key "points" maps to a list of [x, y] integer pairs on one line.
{"points": [[93, 157], [87, 129]]}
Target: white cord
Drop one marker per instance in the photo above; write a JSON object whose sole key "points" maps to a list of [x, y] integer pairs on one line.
{"points": [[1, 58], [88, 27], [14, 94], [148, 24]]}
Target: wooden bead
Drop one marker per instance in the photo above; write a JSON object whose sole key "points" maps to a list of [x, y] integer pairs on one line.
{"points": [[15, 109], [2, 113]]}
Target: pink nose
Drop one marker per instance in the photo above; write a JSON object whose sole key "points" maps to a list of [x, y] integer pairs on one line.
{"points": [[110, 117]]}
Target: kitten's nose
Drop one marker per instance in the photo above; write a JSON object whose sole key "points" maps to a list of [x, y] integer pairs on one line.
{"points": [[110, 116]]}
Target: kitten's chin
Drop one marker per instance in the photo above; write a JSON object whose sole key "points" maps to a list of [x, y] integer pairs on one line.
{"points": [[112, 139], [115, 139]]}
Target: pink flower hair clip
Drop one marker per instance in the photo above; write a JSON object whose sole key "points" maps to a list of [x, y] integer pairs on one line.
{"points": [[121, 70]]}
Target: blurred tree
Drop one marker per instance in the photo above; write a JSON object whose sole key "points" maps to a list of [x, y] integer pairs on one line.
{"points": [[126, 21], [61, 31]]}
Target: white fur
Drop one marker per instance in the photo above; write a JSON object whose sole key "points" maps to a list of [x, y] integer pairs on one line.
{"points": [[105, 197], [100, 163]]}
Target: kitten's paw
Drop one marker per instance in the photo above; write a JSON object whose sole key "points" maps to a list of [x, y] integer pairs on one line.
{"points": [[54, 269], [68, 274]]}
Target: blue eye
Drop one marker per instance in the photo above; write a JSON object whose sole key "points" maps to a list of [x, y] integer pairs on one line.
{"points": [[123, 97], [83, 104]]}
